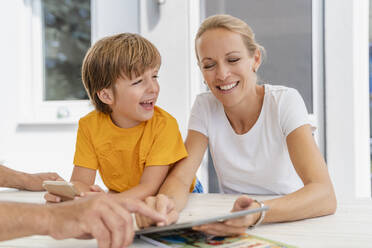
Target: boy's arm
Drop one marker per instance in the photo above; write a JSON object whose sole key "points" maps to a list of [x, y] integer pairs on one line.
{"points": [[178, 182], [174, 192], [83, 178], [25, 181], [151, 180]]}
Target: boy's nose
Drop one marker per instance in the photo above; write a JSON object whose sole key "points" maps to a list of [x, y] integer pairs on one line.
{"points": [[154, 87]]}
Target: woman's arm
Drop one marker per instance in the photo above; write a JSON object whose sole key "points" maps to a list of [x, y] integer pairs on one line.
{"points": [[316, 198]]}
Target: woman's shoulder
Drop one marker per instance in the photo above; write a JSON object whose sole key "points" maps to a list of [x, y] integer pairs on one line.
{"points": [[279, 93], [278, 89], [206, 96], [207, 100]]}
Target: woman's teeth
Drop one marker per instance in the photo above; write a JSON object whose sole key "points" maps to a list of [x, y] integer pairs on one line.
{"points": [[228, 86]]}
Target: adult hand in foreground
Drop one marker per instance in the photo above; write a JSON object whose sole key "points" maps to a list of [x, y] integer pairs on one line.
{"points": [[101, 217]]}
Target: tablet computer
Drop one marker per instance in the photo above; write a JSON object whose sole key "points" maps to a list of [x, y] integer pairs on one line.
{"points": [[199, 222]]}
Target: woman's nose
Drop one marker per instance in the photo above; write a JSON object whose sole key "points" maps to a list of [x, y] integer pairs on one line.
{"points": [[222, 72]]}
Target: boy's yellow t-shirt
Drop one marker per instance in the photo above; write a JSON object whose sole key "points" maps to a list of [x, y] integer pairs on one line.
{"points": [[121, 154]]}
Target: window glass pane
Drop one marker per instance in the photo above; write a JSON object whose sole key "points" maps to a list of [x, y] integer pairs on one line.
{"points": [[284, 29], [66, 38]]}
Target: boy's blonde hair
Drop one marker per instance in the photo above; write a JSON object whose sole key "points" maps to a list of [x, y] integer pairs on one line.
{"points": [[122, 55], [232, 24]]}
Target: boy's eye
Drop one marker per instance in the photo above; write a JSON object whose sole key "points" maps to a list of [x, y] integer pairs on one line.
{"points": [[137, 82], [233, 60]]}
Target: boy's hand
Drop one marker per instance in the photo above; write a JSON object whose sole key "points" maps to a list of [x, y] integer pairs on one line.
{"points": [[163, 205], [233, 226], [50, 198], [94, 190]]}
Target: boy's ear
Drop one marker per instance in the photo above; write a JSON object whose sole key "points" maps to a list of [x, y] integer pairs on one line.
{"points": [[106, 96]]}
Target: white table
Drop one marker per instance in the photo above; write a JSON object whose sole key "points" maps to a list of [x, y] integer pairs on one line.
{"points": [[351, 226]]}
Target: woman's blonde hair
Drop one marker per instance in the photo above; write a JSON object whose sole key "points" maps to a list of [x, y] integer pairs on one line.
{"points": [[232, 24], [116, 56]]}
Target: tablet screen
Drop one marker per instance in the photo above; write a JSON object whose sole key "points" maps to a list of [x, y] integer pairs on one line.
{"points": [[219, 218]]}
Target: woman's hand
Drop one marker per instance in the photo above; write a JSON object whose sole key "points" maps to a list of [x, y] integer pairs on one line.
{"points": [[163, 205], [233, 226]]}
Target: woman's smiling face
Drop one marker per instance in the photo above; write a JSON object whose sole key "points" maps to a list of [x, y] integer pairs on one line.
{"points": [[227, 66]]}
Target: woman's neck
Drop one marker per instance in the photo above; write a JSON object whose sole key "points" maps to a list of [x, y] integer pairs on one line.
{"points": [[245, 114]]}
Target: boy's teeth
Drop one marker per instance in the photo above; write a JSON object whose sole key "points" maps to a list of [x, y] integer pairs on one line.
{"points": [[227, 87]]}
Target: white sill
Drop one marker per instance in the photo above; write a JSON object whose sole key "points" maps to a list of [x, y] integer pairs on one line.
{"points": [[47, 122]]}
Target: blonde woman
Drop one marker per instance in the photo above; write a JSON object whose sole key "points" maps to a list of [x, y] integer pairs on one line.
{"points": [[259, 136]]}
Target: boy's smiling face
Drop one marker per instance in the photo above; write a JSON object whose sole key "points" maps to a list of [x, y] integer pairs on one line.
{"points": [[132, 101]]}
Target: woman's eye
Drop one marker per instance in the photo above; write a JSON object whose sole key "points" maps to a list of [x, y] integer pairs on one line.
{"points": [[233, 60], [208, 66], [155, 76]]}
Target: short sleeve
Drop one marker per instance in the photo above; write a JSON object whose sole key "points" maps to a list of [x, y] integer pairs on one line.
{"points": [[168, 146], [85, 155], [199, 116], [293, 113]]}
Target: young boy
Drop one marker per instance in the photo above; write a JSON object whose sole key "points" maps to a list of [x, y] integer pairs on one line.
{"points": [[127, 138]]}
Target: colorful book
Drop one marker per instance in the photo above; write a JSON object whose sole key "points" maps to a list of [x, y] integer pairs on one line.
{"points": [[188, 238]]}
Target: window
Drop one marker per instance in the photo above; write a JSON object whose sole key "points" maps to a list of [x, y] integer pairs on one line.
{"points": [[58, 34]]}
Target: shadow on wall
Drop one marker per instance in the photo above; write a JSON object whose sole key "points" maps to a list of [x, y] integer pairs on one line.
{"points": [[153, 14]]}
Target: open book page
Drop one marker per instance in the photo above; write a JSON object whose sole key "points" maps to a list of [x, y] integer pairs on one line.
{"points": [[188, 238]]}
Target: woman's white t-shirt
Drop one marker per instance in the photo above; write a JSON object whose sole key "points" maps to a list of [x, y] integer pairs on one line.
{"points": [[256, 162]]}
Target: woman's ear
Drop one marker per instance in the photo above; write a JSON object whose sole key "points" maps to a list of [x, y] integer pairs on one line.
{"points": [[257, 60], [106, 96]]}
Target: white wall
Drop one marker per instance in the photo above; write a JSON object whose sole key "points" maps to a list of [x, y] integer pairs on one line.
{"points": [[347, 106]]}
